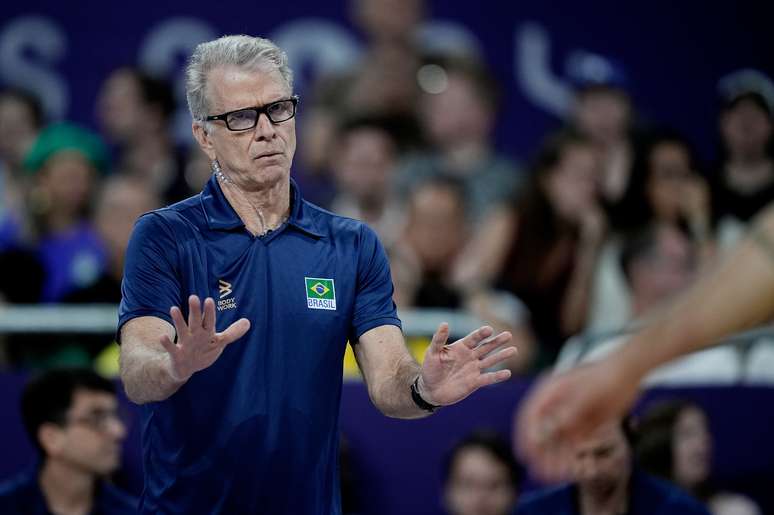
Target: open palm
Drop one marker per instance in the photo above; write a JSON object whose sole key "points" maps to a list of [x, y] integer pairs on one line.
{"points": [[452, 372]]}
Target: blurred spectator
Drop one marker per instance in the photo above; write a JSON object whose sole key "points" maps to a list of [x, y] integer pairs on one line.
{"points": [[71, 417], [608, 483], [658, 262], [422, 261], [603, 113], [544, 248], [666, 188], [121, 201], [481, 477], [675, 443], [744, 183], [21, 118], [363, 166], [134, 110], [436, 229], [387, 22], [66, 161], [457, 110]]}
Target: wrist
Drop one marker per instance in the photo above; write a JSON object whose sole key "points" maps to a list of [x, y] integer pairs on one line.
{"points": [[420, 397]]}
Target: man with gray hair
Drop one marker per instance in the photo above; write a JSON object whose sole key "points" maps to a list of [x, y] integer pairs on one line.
{"points": [[240, 410]]}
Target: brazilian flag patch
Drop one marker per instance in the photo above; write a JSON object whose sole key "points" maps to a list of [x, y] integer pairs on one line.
{"points": [[320, 293]]}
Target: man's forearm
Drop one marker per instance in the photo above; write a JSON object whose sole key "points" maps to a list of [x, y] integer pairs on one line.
{"points": [[393, 395], [735, 295], [146, 375]]}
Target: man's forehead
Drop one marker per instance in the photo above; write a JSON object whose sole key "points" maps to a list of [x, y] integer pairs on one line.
{"points": [[232, 87]]}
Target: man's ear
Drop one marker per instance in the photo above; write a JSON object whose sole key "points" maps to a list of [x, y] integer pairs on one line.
{"points": [[51, 438], [202, 137]]}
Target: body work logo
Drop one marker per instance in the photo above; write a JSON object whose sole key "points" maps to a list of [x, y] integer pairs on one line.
{"points": [[320, 293], [224, 289]]}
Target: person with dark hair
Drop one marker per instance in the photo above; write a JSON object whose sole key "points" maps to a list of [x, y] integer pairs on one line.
{"points": [[544, 247], [744, 180], [363, 165], [71, 418], [481, 476], [674, 442], [21, 119], [666, 187], [603, 112], [422, 262], [458, 109], [135, 110], [606, 482]]}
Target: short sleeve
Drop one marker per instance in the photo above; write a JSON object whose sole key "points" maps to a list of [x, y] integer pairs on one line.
{"points": [[151, 284], [374, 306]]}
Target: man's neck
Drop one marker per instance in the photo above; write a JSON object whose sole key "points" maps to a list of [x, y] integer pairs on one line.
{"points": [[614, 502], [68, 490], [261, 209]]}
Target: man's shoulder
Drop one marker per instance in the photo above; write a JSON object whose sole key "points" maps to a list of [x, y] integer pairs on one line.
{"points": [[188, 209], [172, 219], [556, 500], [332, 224]]}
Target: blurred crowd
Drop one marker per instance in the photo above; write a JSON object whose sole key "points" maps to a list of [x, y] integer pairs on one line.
{"points": [[594, 230], [599, 226]]}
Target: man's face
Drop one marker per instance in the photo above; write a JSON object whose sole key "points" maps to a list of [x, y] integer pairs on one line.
{"points": [[603, 462], [479, 484], [91, 436], [257, 157]]}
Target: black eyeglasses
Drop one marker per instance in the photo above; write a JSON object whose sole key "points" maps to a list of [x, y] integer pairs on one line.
{"points": [[245, 119]]}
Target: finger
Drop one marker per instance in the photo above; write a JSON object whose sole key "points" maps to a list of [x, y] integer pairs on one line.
{"points": [[498, 357], [473, 340], [208, 322], [194, 313], [440, 337], [493, 378], [233, 332], [168, 344], [493, 343], [177, 319]]}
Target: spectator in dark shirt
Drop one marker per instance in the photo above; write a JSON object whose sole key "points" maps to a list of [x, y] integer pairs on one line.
{"points": [[71, 417], [607, 483]]}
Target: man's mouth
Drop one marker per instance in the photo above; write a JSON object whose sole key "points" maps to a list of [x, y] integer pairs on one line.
{"points": [[267, 154]]}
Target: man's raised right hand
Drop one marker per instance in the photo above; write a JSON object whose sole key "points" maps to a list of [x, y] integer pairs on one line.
{"points": [[198, 345]]}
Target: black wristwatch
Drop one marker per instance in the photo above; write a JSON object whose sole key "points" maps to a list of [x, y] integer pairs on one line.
{"points": [[418, 400]]}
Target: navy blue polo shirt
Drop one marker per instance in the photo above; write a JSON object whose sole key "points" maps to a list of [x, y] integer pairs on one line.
{"points": [[647, 496], [257, 432]]}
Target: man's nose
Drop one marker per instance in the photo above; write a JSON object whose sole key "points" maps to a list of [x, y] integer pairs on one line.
{"points": [[264, 129]]}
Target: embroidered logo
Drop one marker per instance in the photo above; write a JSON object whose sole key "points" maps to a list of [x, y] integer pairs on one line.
{"points": [[224, 289], [320, 293]]}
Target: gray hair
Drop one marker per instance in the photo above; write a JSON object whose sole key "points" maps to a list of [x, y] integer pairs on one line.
{"points": [[243, 51]]}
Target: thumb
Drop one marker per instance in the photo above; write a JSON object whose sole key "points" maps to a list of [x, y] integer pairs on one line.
{"points": [[233, 332], [440, 337]]}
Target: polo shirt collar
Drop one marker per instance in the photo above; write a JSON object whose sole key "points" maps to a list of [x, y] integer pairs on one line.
{"points": [[221, 215]]}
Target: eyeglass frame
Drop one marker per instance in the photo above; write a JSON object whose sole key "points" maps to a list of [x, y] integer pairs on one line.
{"points": [[264, 109], [97, 420]]}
